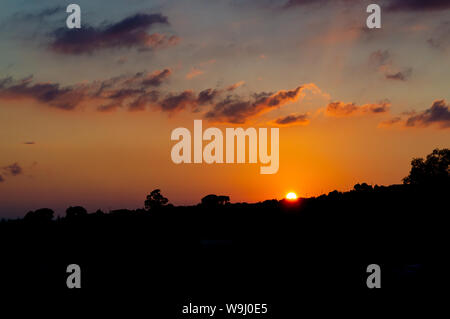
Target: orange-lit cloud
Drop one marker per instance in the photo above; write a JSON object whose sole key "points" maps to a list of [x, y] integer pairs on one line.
{"points": [[292, 120], [235, 109], [194, 72], [235, 85], [140, 90], [341, 109]]}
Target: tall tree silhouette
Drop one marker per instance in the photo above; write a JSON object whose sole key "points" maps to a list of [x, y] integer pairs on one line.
{"points": [[75, 211], [40, 215], [155, 200], [434, 170], [214, 200]]}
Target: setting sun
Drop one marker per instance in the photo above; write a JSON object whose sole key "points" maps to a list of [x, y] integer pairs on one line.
{"points": [[291, 196]]}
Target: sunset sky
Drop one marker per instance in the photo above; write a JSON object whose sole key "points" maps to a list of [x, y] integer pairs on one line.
{"points": [[86, 115]]}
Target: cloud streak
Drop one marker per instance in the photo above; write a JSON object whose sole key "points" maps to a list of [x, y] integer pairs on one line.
{"points": [[292, 119], [400, 75], [342, 109]]}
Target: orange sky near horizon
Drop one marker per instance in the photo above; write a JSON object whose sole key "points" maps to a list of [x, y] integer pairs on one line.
{"points": [[100, 120]]}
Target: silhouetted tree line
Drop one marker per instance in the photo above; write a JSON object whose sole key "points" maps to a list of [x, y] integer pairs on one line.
{"points": [[429, 175]]}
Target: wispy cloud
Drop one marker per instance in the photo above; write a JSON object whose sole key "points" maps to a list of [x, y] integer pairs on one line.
{"points": [[13, 169], [382, 61]]}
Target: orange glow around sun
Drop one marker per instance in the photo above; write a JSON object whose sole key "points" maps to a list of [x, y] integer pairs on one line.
{"points": [[291, 196]]}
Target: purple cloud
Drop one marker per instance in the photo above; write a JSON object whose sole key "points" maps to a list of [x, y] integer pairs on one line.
{"points": [[131, 32], [438, 113]]}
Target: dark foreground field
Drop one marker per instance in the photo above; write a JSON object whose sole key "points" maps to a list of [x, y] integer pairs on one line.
{"points": [[286, 254]]}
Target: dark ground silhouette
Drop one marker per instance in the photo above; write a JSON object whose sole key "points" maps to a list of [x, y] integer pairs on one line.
{"points": [[273, 251]]}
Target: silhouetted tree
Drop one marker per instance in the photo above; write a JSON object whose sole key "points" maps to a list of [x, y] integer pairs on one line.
{"points": [[40, 215], [75, 211], [99, 212], [155, 200], [362, 187], [434, 170], [214, 200]]}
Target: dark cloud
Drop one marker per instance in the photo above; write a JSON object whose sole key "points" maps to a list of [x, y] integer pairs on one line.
{"points": [[156, 78], [234, 109], [177, 102], [341, 109], [51, 94], [131, 32], [293, 119], [149, 98], [438, 114], [110, 94], [1, 179], [138, 91], [207, 96], [400, 75], [13, 169], [417, 5], [29, 143]]}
